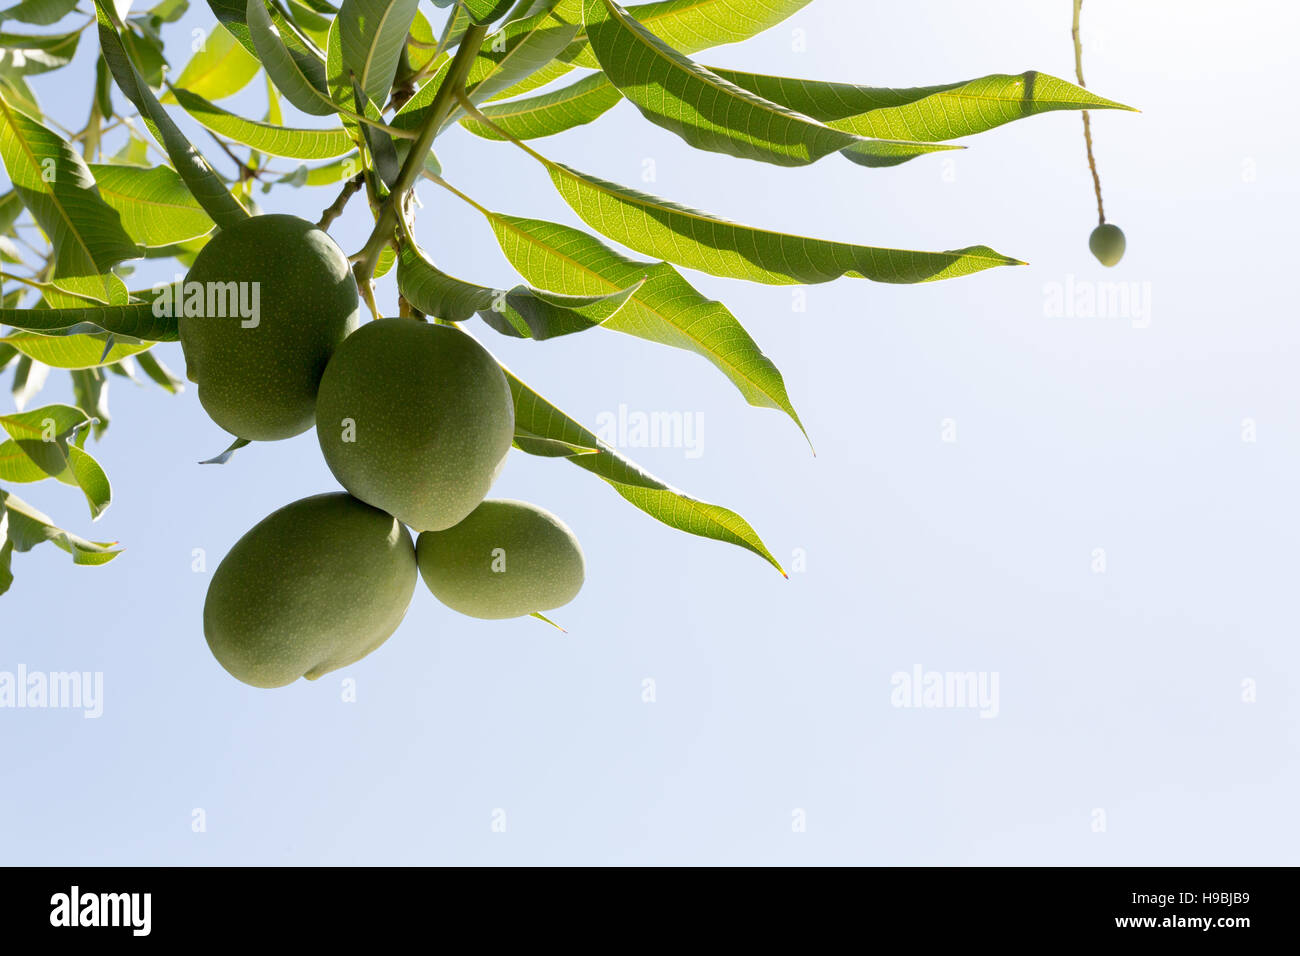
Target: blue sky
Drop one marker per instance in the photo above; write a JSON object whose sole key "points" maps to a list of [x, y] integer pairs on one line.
{"points": [[1121, 735]]}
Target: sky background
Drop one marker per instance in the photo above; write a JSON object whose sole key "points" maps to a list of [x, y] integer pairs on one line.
{"points": [[1121, 737]]}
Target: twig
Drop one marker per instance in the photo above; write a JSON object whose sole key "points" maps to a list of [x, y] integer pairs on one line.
{"points": [[245, 171], [350, 189]]}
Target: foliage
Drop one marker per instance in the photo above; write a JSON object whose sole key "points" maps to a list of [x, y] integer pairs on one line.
{"points": [[77, 213]]}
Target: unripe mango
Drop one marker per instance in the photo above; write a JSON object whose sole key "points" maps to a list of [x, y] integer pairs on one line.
{"points": [[507, 559], [416, 419], [258, 373], [311, 588], [1107, 243]]}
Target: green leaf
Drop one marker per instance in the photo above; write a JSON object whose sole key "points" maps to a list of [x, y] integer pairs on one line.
{"points": [[344, 168], [29, 527], [697, 240], [41, 13], [159, 373], [521, 312], [665, 309], [701, 107], [6, 549], [42, 437], [689, 26], [55, 184], [29, 379], [383, 155], [91, 479], [876, 153], [156, 206], [137, 320], [931, 113], [373, 35], [549, 113], [311, 22], [661, 501], [24, 55], [486, 11], [532, 444], [204, 183], [90, 392], [225, 456], [221, 67], [297, 74], [265, 137], [85, 350], [516, 51]]}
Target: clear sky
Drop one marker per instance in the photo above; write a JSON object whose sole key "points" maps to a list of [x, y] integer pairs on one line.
{"points": [[1145, 714]]}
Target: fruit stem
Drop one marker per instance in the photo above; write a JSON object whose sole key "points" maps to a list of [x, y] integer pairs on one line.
{"points": [[389, 214], [1087, 125]]}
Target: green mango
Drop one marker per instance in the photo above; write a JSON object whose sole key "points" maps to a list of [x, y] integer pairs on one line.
{"points": [[275, 297], [507, 559], [311, 588], [1107, 243], [416, 419]]}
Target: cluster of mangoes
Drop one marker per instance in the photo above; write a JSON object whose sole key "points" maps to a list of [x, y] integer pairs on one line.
{"points": [[414, 419]]}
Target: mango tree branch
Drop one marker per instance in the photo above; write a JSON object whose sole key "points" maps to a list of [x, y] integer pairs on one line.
{"points": [[439, 109]]}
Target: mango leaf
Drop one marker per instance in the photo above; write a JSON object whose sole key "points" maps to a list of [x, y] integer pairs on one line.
{"points": [[665, 309], [373, 34], [697, 240], [55, 184], [520, 312], [23, 55], [548, 113], [136, 320], [29, 379], [204, 183], [708, 112], [29, 527], [90, 393], [296, 72], [383, 155], [84, 350], [156, 207], [159, 373], [6, 548], [226, 455], [532, 444], [265, 137], [486, 11], [43, 436], [689, 26], [41, 13], [343, 168], [311, 22], [516, 51], [221, 68], [932, 113], [876, 153], [661, 501], [421, 43]]}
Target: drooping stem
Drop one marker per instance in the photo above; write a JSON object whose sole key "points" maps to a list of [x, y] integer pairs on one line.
{"points": [[1087, 125]]}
